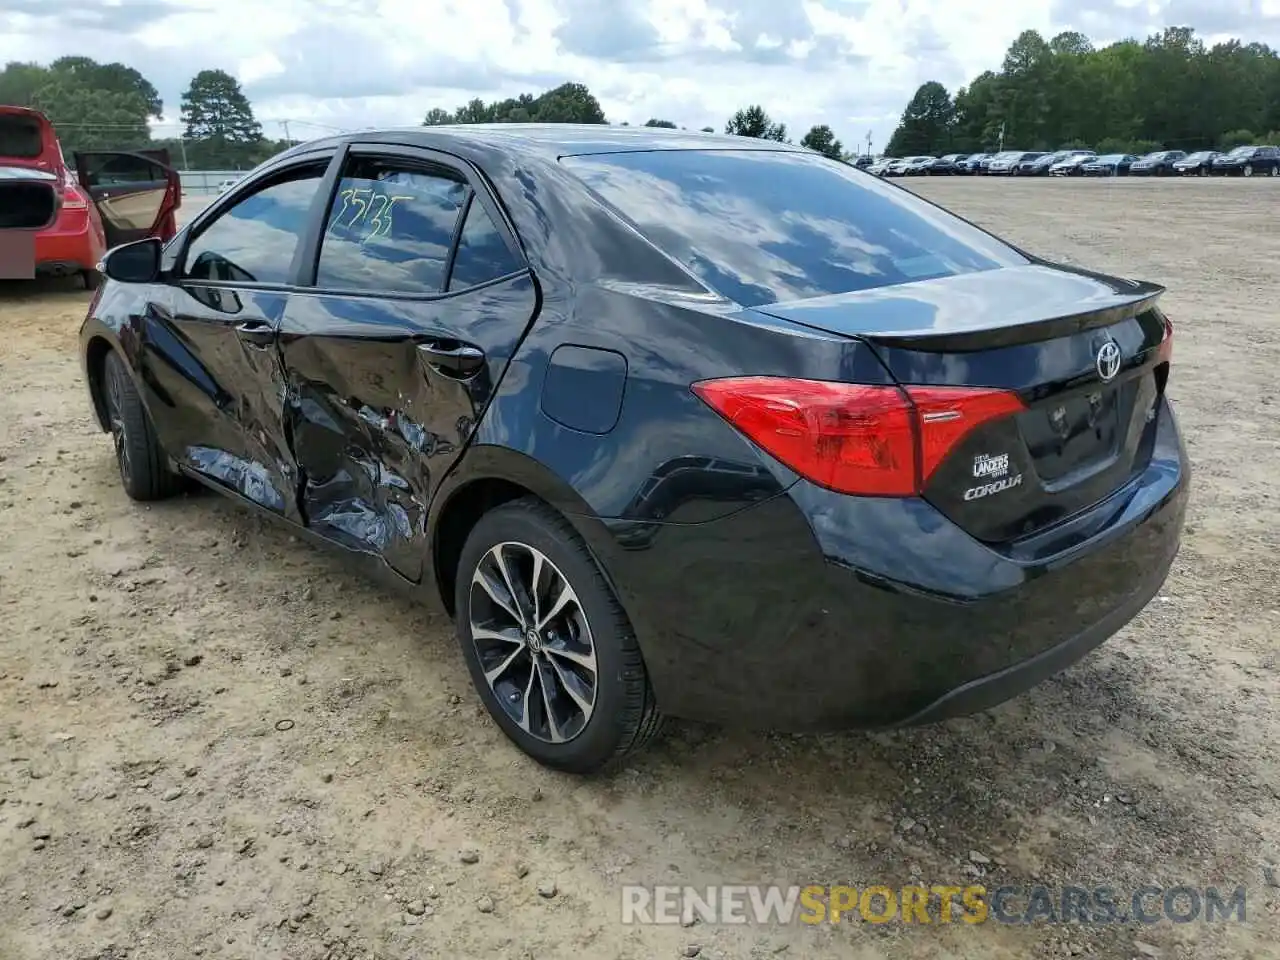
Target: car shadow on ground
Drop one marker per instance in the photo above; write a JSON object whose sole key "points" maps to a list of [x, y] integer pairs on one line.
{"points": [[43, 288]]}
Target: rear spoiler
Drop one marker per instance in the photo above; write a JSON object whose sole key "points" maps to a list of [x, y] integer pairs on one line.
{"points": [[981, 310]]}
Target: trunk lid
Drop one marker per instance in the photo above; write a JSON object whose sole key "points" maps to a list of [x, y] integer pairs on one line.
{"points": [[1086, 354]]}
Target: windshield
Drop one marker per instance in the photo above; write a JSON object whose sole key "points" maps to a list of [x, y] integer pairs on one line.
{"points": [[1201, 155], [20, 137], [1112, 158], [763, 226], [1241, 152]]}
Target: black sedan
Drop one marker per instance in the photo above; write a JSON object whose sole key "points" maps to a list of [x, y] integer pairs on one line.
{"points": [[972, 163], [667, 422], [1040, 166], [1157, 164], [1108, 165], [1198, 164], [944, 166], [1248, 162]]}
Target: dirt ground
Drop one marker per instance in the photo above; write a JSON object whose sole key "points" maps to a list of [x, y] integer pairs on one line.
{"points": [[219, 743]]}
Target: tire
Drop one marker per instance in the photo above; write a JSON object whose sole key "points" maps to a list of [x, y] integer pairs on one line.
{"points": [[92, 279], [591, 733], [1275, 170], [1248, 170], [144, 468]]}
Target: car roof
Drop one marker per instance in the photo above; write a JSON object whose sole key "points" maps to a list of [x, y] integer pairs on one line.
{"points": [[554, 140]]}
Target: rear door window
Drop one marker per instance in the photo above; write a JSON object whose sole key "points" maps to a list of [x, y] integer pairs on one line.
{"points": [[390, 228], [483, 254], [763, 226]]}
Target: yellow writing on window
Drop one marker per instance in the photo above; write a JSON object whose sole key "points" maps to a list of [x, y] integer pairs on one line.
{"points": [[366, 211]]}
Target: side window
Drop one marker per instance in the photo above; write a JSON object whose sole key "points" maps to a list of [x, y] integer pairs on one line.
{"points": [[482, 254], [116, 169], [390, 228], [254, 241]]}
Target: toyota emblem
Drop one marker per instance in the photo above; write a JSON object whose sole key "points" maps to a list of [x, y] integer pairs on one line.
{"points": [[1108, 361]]}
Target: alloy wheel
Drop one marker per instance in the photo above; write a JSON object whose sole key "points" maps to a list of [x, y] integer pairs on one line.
{"points": [[533, 642], [116, 421], [1248, 170]]}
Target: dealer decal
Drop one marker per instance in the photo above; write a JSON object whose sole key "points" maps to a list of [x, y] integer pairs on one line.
{"points": [[988, 465]]}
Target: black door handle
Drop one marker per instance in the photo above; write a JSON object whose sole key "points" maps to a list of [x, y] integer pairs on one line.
{"points": [[451, 356], [256, 333]]}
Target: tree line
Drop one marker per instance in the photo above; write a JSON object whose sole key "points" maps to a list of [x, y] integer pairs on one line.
{"points": [[109, 106], [574, 103], [1167, 92], [1170, 91]]}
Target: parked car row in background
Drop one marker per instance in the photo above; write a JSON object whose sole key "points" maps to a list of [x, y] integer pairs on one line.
{"points": [[1244, 161]]}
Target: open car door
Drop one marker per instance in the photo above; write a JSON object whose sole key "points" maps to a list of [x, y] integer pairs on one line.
{"points": [[136, 194]]}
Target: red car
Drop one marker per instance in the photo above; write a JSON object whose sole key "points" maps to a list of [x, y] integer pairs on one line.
{"points": [[58, 221]]}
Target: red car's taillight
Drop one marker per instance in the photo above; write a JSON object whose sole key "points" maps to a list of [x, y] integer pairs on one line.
{"points": [[869, 440], [73, 200]]}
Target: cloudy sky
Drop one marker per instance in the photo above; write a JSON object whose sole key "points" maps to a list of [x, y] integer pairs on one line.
{"points": [[325, 64]]}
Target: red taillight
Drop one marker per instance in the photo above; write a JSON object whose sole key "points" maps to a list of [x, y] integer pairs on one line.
{"points": [[72, 200], [947, 414], [870, 440]]}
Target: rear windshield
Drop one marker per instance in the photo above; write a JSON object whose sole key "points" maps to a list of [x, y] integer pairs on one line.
{"points": [[20, 138], [763, 226]]}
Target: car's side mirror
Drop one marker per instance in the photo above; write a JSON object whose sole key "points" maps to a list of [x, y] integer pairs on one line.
{"points": [[137, 262]]}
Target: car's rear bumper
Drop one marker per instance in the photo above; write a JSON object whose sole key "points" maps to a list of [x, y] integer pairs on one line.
{"points": [[819, 611], [73, 243]]}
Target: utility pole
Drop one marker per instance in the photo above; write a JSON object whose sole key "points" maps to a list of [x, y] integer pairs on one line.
{"points": [[1001, 137], [868, 143], [285, 124]]}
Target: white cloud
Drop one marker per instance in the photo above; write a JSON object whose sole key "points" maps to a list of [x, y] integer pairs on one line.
{"points": [[357, 63]]}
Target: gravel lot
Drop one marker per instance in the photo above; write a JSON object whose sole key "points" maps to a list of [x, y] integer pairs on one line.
{"points": [[218, 742]]}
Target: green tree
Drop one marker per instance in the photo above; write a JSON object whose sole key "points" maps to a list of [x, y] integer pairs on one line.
{"points": [[978, 115], [90, 119], [93, 106], [20, 81], [927, 123], [754, 122], [567, 103], [1027, 71], [1168, 89], [823, 139], [220, 127], [112, 77], [666, 124]]}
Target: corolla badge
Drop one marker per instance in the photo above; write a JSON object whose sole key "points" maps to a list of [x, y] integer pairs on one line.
{"points": [[1108, 361]]}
